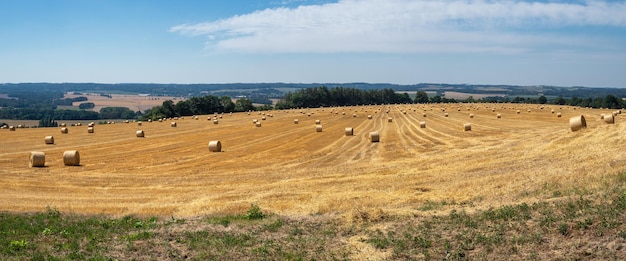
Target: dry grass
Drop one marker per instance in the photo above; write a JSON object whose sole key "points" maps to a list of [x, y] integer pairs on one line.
{"points": [[290, 170], [133, 102]]}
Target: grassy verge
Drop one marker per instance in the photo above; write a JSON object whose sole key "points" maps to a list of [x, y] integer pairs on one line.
{"points": [[587, 225]]}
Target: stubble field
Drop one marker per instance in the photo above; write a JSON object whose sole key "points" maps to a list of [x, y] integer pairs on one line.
{"points": [[293, 170]]}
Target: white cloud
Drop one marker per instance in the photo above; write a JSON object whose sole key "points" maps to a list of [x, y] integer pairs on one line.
{"points": [[407, 26]]}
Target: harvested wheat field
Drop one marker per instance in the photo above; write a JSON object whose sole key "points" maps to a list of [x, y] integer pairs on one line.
{"points": [[292, 169]]}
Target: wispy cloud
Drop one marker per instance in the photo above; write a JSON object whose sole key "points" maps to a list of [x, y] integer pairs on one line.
{"points": [[408, 26]]}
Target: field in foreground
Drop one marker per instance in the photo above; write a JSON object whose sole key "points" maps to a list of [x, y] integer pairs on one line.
{"points": [[292, 171]]}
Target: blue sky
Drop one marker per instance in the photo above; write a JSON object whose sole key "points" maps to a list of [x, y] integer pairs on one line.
{"points": [[564, 43]]}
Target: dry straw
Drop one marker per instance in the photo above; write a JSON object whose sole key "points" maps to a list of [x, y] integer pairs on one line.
{"points": [[89, 129], [215, 146], [369, 117], [11, 128], [37, 159], [215, 121], [471, 115], [258, 124], [71, 158], [140, 134], [64, 130], [49, 140], [173, 124], [467, 127], [389, 119], [295, 121], [318, 122], [374, 136], [558, 115], [499, 116], [609, 119], [577, 122], [446, 114], [349, 131], [422, 124], [318, 128]]}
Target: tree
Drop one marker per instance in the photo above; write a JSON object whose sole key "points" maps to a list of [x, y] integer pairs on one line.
{"points": [[243, 104], [542, 99], [560, 101], [421, 97], [435, 99], [86, 106]]}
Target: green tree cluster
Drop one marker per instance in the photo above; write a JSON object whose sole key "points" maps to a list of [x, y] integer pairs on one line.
{"points": [[198, 105], [339, 96]]}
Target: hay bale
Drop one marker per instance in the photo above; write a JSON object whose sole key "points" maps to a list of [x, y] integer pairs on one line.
{"points": [[64, 130], [49, 140], [518, 111], [424, 115], [37, 159], [295, 121], [374, 136], [499, 116], [139, 123], [354, 115], [11, 128], [445, 115], [63, 125], [369, 117], [471, 115], [318, 128], [139, 134], [215, 146], [89, 129], [215, 121], [389, 119], [577, 122], [349, 131], [258, 124], [422, 124], [173, 125], [602, 116], [609, 119], [318, 122], [467, 127], [71, 158], [558, 115], [79, 124]]}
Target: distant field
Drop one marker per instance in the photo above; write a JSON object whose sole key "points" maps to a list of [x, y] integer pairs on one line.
{"points": [[463, 96], [291, 169], [133, 102]]}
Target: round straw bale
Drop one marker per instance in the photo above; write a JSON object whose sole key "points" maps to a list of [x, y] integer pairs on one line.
{"points": [[422, 124], [318, 122], [354, 115], [295, 121], [20, 126], [64, 130], [149, 120], [79, 124], [215, 146], [518, 111], [446, 114], [471, 115], [37, 159], [369, 117], [609, 119], [602, 116], [349, 131], [49, 140], [173, 124], [215, 121], [499, 116], [423, 114], [89, 129], [71, 158], [139, 123], [63, 125], [258, 124], [11, 128], [577, 122], [374, 136], [467, 127], [139, 134], [318, 128], [263, 118]]}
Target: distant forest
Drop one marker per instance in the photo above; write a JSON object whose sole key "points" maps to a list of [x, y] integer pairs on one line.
{"points": [[40, 101]]}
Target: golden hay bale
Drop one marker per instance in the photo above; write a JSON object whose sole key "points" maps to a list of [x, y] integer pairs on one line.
{"points": [[79, 124], [467, 127], [263, 118], [173, 124], [318, 122], [558, 115], [215, 146], [518, 111], [349, 131], [528, 110], [354, 115], [446, 114], [369, 117], [499, 116], [602, 116], [374, 136], [258, 124], [139, 134], [577, 122], [49, 140], [609, 119], [89, 129], [71, 158], [389, 119], [37, 159], [295, 121], [422, 124], [63, 125], [471, 115], [493, 110], [139, 123], [424, 115], [318, 128], [11, 128], [215, 121], [149, 120], [64, 130]]}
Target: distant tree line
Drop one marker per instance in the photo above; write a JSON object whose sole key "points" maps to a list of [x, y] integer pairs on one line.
{"points": [[340, 96], [200, 105]]}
